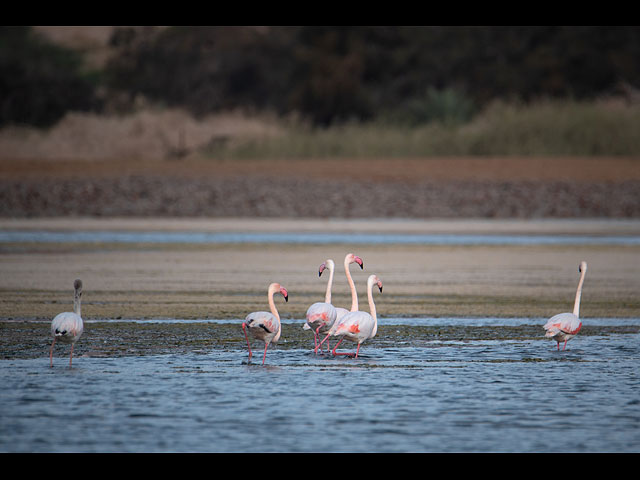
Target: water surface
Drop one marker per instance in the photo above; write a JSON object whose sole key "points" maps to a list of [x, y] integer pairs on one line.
{"points": [[433, 394], [187, 237]]}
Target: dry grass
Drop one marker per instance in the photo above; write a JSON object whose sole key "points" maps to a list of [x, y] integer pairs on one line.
{"points": [[146, 135]]}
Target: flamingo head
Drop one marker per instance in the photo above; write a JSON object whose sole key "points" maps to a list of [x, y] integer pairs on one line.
{"points": [[77, 286], [582, 268], [351, 258], [277, 288], [374, 280], [328, 263], [284, 293]]}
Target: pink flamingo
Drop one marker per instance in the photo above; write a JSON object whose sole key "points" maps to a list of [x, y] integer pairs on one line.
{"points": [[358, 326], [321, 315], [565, 326], [341, 312], [265, 326], [67, 326]]}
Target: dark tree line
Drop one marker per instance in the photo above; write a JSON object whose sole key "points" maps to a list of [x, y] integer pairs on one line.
{"points": [[325, 73]]}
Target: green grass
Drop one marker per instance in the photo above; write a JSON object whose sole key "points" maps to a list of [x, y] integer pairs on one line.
{"points": [[544, 128]]}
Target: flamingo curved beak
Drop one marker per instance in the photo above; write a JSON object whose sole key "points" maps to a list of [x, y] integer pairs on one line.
{"points": [[322, 267], [284, 293], [359, 262]]}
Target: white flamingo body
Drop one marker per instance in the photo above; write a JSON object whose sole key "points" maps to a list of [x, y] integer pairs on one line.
{"points": [[340, 312], [67, 327], [265, 326], [564, 326], [359, 326], [321, 315]]}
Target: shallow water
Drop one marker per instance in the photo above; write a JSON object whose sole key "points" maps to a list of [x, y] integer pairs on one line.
{"points": [[437, 393], [44, 236]]}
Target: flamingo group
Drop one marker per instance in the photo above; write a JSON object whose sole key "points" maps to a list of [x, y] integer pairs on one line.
{"points": [[565, 326], [352, 324], [67, 326], [321, 316]]}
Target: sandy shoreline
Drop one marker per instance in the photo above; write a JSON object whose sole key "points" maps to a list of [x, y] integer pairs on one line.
{"points": [[228, 280]]}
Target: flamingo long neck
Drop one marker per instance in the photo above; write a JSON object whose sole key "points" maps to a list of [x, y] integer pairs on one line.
{"points": [[327, 296], [272, 305], [77, 303], [576, 306], [354, 294], [274, 310], [372, 306]]}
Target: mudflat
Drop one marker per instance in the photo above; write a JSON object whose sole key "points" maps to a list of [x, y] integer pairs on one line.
{"points": [[227, 281], [429, 188]]}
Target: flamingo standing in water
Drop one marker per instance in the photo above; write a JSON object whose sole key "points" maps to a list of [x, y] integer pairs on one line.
{"points": [[358, 326], [67, 326], [565, 326], [321, 315], [341, 312], [265, 326]]}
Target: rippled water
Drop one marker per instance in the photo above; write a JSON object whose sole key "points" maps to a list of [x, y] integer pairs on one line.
{"points": [[435, 396]]}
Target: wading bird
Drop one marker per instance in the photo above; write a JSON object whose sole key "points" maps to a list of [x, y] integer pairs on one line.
{"points": [[321, 315], [265, 326], [358, 326], [67, 326], [565, 326]]}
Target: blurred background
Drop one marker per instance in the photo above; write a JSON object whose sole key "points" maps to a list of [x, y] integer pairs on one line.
{"points": [[318, 121]]}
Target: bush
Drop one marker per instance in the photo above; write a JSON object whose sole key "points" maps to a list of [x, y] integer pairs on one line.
{"points": [[40, 82]]}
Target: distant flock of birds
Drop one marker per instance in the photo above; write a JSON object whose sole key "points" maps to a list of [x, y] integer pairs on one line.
{"points": [[322, 318]]}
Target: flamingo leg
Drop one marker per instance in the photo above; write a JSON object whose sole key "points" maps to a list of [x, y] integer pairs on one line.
{"points": [[323, 340], [316, 332], [358, 350], [244, 329], [51, 352], [340, 353], [266, 345], [71, 355], [565, 345]]}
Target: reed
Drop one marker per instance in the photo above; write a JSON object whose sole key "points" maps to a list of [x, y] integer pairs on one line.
{"points": [[543, 128]]}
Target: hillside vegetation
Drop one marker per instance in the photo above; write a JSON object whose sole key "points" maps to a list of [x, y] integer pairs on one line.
{"points": [[309, 92]]}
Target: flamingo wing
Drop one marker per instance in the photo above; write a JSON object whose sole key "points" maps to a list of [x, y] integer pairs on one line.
{"points": [[563, 323], [67, 327], [357, 325], [321, 314], [263, 326], [340, 313]]}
